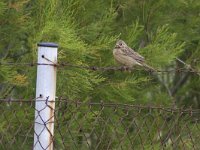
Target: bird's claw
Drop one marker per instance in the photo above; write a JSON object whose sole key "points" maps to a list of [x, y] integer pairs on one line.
{"points": [[125, 68]]}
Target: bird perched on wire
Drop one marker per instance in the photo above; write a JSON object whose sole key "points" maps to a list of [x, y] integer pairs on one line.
{"points": [[128, 57]]}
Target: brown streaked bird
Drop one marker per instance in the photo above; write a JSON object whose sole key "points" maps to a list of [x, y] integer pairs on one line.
{"points": [[128, 57]]}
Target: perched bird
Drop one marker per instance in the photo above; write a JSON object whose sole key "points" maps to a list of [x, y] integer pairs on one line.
{"points": [[128, 57]]}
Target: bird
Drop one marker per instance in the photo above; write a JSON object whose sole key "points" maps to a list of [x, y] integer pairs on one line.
{"points": [[126, 56]]}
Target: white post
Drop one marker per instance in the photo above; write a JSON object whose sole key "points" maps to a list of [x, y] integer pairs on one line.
{"points": [[45, 96]]}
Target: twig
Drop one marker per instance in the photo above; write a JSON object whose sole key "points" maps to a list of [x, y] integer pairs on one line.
{"points": [[188, 66]]}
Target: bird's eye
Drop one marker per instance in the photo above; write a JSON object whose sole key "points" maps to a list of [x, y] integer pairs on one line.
{"points": [[120, 44]]}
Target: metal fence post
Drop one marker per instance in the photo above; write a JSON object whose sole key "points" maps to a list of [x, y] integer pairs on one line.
{"points": [[45, 96]]}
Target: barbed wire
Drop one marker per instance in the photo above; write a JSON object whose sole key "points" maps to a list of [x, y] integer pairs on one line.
{"points": [[106, 68], [104, 104]]}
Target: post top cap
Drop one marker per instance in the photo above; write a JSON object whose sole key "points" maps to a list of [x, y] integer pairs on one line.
{"points": [[47, 44]]}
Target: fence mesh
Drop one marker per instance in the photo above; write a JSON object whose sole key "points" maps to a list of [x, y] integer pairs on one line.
{"points": [[101, 126]]}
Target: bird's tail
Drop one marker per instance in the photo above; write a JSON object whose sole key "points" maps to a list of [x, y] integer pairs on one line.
{"points": [[149, 68]]}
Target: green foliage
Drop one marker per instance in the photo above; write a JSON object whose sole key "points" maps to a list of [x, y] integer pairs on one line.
{"points": [[2, 8], [163, 48], [86, 31], [133, 33]]}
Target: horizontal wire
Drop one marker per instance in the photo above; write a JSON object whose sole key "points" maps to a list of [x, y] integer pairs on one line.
{"points": [[107, 68], [26, 64], [105, 104], [124, 68]]}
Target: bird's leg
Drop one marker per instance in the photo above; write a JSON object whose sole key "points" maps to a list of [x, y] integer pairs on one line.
{"points": [[129, 69], [124, 68]]}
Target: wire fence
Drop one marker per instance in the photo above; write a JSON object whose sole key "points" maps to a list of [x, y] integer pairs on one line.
{"points": [[107, 68], [42, 123], [100, 125], [188, 68]]}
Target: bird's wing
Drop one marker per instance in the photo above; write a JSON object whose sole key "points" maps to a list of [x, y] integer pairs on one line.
{"points": [[131, 53]]}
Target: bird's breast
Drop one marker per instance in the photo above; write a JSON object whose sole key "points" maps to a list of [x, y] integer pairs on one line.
{"points": [[123, 59], [117, 52]]}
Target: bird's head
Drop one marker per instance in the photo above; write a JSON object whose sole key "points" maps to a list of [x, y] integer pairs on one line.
{"points": [[120, 44]]}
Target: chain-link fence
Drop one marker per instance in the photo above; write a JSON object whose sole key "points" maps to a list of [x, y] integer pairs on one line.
{"points": [[101, 125], [45, 123]]}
